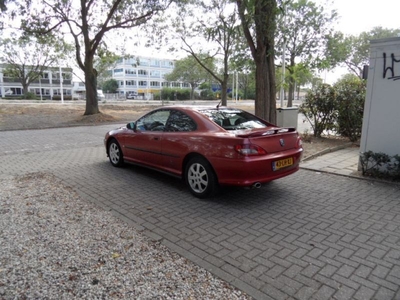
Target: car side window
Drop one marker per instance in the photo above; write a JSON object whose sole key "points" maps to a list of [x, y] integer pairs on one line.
{"points": [[179, 121], [154, 121]]}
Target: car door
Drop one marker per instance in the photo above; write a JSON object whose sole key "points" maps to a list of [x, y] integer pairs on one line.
{"points": [[144, 143], [177, 140]]}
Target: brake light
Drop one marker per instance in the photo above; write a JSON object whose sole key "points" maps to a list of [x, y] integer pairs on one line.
{"points": [[249, 150], [299, 142]]}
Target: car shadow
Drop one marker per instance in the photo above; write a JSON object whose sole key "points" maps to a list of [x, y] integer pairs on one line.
{"points": [[226, 195]]}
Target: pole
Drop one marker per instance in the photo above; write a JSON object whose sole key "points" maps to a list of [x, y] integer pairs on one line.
{"points": [[61, 86], [233, 84], [40, 87], [282, 94], [237, 85]]}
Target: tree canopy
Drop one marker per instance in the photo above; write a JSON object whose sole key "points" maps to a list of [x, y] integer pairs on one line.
{"points": [[189, 70], [26, 58], [303, 29], [87, 24], [215, 23], [258, 21], [355, 48]]}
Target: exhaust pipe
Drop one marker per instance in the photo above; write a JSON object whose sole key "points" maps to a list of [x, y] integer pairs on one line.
{"points": [[256, 185]]}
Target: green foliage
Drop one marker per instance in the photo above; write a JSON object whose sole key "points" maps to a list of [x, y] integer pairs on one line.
{"points": [[173, 94], [110, 86], [190, 70], [320, 108], [58, 97], [380, 165], [350, 95], [30, 96], [353, 50], [26, 57], [302, 31]]}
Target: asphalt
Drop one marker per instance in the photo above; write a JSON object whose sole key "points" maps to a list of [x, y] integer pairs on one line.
{"points": [[321, 233]]}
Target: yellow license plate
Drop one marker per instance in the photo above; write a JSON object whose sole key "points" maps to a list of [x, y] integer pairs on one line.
{"points": [[283, 163]]}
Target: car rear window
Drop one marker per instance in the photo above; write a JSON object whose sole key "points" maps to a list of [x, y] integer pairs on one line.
{"points": [[234, 119]]}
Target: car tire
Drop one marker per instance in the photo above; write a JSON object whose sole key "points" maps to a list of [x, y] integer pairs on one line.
{"points": [[200, 177], [115, 153]]}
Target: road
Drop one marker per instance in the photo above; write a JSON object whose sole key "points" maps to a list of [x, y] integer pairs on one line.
{"points": [[307, 236]]}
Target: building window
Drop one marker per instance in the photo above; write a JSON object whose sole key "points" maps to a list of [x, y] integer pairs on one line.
{"points": [[165, 84], [155, 63], [130, 82], [14, 91], [155, 73], [154, 84], [121, 83], [120, 70], [143, 62], [142, 83], [186, 85], [130, 71], [175, 84], [142, 72]]}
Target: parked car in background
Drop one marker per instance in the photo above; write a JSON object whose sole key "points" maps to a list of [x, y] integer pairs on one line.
{"points": [[100, 94], [207, 147], [132, 95]]}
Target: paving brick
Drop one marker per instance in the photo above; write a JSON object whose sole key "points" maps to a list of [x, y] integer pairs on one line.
{"points": [[384, 294], [337, 237], [325, 292], [344, 293], [364, 293]]}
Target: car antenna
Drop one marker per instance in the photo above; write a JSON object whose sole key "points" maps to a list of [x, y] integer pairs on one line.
{"points": [[219, 104]]}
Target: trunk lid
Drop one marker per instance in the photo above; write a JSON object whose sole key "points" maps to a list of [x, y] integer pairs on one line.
{"points": [[273, 139]]}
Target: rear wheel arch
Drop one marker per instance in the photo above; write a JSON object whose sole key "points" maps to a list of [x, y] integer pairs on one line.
{"points": [[199, 175]]}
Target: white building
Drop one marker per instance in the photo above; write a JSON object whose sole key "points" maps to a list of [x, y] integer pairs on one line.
{"points": [[48, 86], [144, 76]]}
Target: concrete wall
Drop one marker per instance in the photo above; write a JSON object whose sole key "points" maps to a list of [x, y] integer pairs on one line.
{"points": [[381, 123]]}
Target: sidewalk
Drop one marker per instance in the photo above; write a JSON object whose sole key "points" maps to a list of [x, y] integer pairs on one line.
{"points": [[342, 161]]}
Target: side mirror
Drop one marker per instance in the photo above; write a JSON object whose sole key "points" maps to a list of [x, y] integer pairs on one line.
{"points": [[130, 125]]}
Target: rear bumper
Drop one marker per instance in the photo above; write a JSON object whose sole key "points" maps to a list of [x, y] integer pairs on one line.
{"points": [[250, 170]]}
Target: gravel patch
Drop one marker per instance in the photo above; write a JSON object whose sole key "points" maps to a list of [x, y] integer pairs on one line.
{"points": [[56, 246]]}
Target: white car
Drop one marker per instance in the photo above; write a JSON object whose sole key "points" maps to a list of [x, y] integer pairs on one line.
{"points": [[100, 94]]}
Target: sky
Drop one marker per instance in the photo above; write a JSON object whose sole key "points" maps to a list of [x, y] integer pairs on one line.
{"points": [[356, 16]]}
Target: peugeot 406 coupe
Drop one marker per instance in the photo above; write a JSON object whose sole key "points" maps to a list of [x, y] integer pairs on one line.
{"points": [[208, 147]]}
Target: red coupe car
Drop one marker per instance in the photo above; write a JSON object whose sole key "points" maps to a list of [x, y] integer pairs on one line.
{"points": [[207, 147]]}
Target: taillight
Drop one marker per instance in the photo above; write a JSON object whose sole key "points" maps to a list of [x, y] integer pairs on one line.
{"points": [[299, 142], [249, 150]]}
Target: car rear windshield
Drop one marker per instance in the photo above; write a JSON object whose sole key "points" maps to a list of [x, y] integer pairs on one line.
{"points": [[234, 119]]}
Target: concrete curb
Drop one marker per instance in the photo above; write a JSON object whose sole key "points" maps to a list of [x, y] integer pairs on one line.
{"points": [[328, 150]]}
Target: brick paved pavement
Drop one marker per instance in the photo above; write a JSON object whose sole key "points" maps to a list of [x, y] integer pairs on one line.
{"points": [[307, 236]]}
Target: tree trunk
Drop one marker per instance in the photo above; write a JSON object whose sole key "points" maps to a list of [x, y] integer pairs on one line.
{"points": [[262, 50], [224, 87], [92, 104], [291, 81], [265, 104]]}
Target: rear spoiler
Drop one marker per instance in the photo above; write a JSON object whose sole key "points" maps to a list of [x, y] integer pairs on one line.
{"points": [[267, 132]]}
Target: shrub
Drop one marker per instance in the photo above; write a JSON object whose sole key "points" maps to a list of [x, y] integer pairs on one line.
{"points": [[170, 93], [350, 95], [58, 97], [381, 165], [320, 108], [30, 96]]}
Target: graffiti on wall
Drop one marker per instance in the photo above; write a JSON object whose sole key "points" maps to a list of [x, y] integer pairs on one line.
{"points": [[390, 70]]}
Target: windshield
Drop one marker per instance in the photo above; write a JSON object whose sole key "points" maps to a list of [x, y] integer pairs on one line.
{"points": [[234, 119]]}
